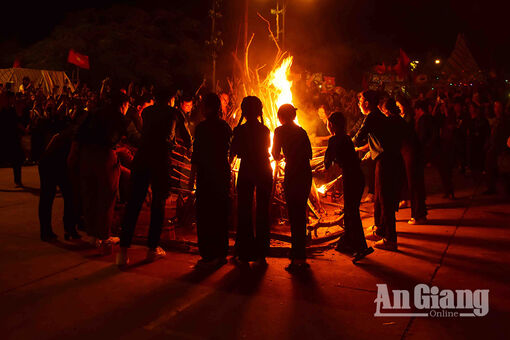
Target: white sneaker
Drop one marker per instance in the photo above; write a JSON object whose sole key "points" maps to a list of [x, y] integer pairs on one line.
{"points": [[386, 245], [155, 254], [414, 221]]}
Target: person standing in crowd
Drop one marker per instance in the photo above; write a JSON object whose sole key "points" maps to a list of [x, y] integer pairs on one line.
{"points": [[211, 169], [386, 154], [94, 155], [429, 133], [478, 137], [460, 136], [11, 133], [186, 109], [151, 166], [368, 163], [294, 142], [250, 143], [499, 132], [53, 173], [410, 150], [341, 151]]}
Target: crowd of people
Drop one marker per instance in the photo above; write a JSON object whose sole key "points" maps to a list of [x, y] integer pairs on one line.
{"points": [[102, 147]]}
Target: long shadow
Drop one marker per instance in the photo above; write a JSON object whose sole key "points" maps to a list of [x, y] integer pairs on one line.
{"points": [[493, 244], [472, 266], [33, 191], [389, 275], [468, 222], [222, 312], [307, 319], [181, 314], [477, 201]]}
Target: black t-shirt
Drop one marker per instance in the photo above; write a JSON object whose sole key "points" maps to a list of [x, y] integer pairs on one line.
{"points": [[210, 152], [341, 151], [251, 144], [294, 142]]}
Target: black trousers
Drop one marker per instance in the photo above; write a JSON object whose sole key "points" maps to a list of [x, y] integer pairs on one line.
{"points": [[250, 246], [16, 157], [52, 177], [212, 220], [387, 187], [297, 191], [354, 235], [370, 164], [415, 183], [140, 180], [16, 170]]}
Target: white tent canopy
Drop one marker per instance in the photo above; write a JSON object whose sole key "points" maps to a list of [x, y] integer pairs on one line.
{"points": [[48, 79]]}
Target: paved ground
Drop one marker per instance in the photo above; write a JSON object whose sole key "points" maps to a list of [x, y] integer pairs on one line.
{"points": [[62, 290]]}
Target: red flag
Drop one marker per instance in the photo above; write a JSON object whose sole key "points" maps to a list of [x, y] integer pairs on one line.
{"points": [[17, 63], [78, 59], [402, 66]]}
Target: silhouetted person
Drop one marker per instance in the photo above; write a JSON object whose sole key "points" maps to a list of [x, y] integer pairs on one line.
{"points": [[499, 132], [460, 135], [341, 151], [413, 162], [478, 138], [250, 143], [151, 166], [212, 170], [386, 155], [53, 173], [92, 152], [294, 142], [12, 131], [428, 129]]}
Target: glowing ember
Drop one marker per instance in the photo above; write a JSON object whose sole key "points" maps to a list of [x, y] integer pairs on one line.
{"points": [[322, 190]]}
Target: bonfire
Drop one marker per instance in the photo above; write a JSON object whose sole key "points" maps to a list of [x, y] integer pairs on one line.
{"points": [[274, 90]]}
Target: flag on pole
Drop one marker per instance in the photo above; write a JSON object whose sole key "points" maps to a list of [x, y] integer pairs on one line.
{"points": [[402, 66], [78, 59]]}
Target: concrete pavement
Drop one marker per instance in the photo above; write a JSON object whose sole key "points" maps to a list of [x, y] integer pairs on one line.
{"points": [[63, 290]]}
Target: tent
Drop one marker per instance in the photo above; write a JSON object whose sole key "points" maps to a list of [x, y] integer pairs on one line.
{"points": [[461, 65], [48, 79]]}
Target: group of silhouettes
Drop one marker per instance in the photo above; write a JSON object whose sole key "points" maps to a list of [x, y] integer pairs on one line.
{"points": [[215, 146], [88, 172]]}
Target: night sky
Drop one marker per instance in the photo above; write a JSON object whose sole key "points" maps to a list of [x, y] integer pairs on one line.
{"points": [[422, 28]]}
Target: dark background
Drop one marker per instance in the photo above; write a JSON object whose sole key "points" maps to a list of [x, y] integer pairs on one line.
{"points": [[338, 37]]}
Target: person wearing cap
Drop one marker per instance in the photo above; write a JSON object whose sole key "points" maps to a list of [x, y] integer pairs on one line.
{"points": [[377, 128], [341, 151], [294, 142]]}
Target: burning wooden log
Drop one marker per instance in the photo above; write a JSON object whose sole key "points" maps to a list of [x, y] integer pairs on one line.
{"points": [[326, 187]]}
